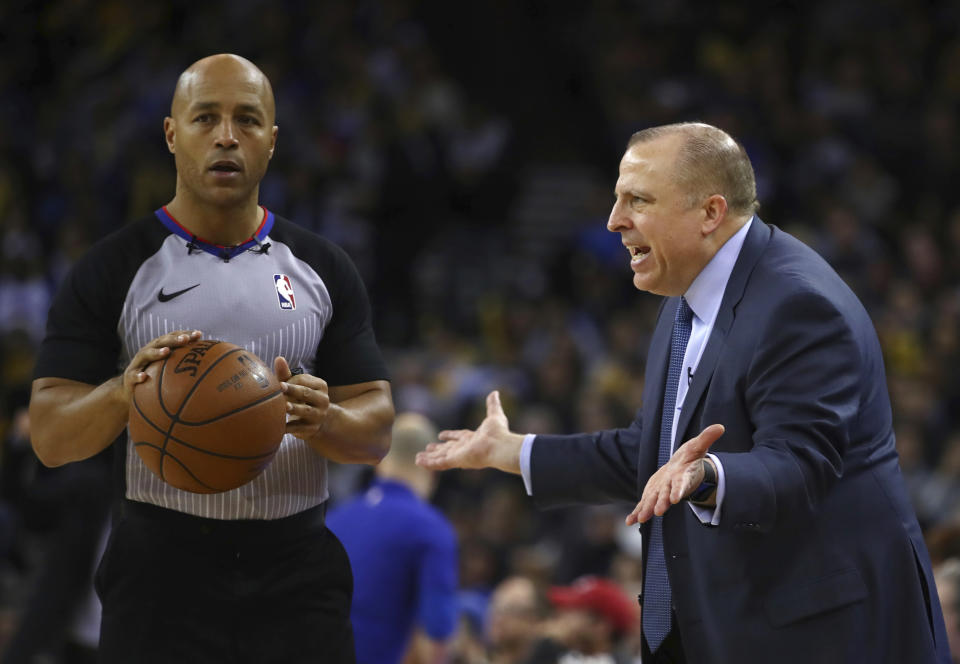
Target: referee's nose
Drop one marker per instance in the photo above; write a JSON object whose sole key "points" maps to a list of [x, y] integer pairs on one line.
{"points": [[226, 136]]}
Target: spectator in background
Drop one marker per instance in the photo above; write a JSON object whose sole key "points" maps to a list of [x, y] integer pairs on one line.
{"points": [[517, 609], [67, 509], [24, 292], [467, 645], [593, 617], [404, 556], [940, 494], [947, 577]]}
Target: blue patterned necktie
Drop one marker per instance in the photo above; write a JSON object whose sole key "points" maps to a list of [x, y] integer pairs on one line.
{"points": [[656, 583]]}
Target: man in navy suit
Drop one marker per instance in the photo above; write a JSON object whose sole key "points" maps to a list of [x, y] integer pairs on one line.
{"points": [[780, 531]]}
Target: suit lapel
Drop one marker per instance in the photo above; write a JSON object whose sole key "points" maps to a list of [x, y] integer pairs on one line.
{"points": [[757, 238]]}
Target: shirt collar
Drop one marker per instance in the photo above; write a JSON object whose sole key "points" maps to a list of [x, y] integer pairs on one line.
{"points": [[706, 291], [217, 250]]}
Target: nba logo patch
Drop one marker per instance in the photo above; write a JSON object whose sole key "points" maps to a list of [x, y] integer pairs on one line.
{"points": [[284, 291]]}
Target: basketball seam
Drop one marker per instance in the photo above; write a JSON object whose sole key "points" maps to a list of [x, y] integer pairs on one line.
{"points": [[170, 416], [181, 464], [196, 383], [231, 412], [186, 444], [175, 417]]}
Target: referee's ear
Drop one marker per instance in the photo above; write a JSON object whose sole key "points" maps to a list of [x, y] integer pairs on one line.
{"points": [[169, 131], [273, 140]]}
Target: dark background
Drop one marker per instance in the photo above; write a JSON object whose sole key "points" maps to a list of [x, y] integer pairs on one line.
{"points": [[465, 154]]}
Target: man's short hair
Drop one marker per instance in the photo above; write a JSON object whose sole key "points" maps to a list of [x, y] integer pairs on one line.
{"points": [[411, 434], [709, 162]]}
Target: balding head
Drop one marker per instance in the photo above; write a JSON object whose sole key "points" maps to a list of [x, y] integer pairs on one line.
{"points": [[243, 73], [222, 135], [412, 432], [513, 618], [709, 161]]}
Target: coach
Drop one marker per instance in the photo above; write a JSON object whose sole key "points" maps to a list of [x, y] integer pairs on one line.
{"points": [[795, 541]]}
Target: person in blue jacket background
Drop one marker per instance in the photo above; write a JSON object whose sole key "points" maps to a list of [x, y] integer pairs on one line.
{"points": [[404, 555]]}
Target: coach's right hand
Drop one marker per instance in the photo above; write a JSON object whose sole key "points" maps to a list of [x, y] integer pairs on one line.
{"points": [[156, 349], [491, 445]]}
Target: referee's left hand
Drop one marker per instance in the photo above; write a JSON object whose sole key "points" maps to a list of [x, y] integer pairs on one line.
{"points": [[308, 400]]}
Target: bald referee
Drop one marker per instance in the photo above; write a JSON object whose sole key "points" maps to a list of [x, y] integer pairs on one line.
{"points": [[253, 574]]}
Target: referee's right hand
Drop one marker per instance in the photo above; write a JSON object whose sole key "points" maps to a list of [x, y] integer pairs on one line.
{"points": [[157, 349]]}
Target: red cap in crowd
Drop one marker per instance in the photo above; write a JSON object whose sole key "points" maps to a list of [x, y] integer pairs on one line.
{"points": [[599, 595]]}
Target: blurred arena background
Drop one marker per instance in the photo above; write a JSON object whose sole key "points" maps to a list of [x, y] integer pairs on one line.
{"points": [[464, 154]]}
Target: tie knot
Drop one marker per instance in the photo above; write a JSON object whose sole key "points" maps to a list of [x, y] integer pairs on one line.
{"points": [[684, 313]]}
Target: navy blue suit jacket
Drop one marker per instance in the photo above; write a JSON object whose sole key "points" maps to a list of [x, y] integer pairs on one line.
{"points": [[818, 556]]}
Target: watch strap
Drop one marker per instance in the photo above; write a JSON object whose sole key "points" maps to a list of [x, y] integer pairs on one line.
{"points": [[707, 486]]}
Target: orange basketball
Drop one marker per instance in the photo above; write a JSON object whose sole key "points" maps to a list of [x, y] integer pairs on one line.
{"points": [[210, 417]]}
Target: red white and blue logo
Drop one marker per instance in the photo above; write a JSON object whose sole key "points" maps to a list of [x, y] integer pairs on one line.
{"points": [[284, 291]]}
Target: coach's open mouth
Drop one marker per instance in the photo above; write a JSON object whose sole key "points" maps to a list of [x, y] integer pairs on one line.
{"points": [[637, 253]]}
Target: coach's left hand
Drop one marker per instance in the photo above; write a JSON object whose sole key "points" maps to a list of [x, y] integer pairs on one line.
{"points": [[308, 400], [677, 478]]}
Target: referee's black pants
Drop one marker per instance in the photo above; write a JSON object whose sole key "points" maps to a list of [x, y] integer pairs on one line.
{"points": [[182, 589]]}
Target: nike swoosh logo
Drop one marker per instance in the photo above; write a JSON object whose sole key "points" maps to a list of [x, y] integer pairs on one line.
{"points": [[166, 297]]}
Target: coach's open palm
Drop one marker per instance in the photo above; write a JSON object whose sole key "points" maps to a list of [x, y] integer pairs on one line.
{"points": [[491, 445], [677, 478]]}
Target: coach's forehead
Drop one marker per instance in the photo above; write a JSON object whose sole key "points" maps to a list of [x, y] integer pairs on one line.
{"points": [[649, 162]]}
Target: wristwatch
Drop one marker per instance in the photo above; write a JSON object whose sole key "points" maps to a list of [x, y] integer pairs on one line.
{"points": [[707, 486]]}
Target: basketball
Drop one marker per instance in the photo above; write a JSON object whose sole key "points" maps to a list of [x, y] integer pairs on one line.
{"points": [[209, 418]]}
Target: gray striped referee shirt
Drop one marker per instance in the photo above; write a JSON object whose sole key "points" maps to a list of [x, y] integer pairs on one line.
{"points": [[285, 291]]}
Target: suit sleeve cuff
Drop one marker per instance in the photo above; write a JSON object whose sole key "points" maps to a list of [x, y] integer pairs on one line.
{"points": [[707, 515], [525, 451]]}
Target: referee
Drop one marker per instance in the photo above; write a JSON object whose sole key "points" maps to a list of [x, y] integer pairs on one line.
{"points": [[252, 574]]}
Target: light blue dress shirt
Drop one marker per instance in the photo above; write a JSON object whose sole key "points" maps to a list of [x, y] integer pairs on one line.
{"points": [[704, 297]]}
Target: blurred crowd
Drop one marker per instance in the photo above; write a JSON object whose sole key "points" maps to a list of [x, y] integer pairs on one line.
{"points": [[465, 155]]}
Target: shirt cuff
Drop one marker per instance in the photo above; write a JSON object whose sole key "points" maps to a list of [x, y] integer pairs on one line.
{"points": [[707, 515], [525, 450]]}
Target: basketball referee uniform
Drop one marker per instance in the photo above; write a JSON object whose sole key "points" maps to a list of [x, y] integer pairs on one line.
{"points": [[252, 574]]}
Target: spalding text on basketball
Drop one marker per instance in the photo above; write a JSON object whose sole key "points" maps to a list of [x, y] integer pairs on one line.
{"points": [[192, 359], [235, 381]]}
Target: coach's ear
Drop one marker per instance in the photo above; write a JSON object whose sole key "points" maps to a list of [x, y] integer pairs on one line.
{"points": [[169, 131], [714, 212]]}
